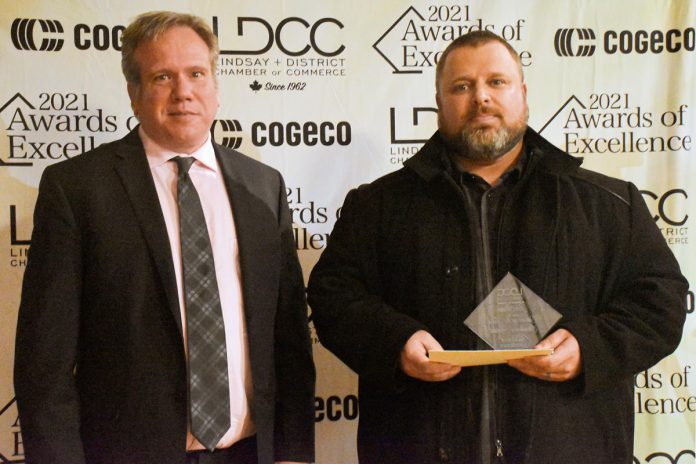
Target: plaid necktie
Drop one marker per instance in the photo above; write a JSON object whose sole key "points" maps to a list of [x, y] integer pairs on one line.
{"points": [[209, 398]]}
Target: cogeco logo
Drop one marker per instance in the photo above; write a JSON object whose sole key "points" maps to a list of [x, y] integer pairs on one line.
{"points": [[625, 42], [563, 42], [656, 41], [294, 133], [281, 36], [228, 132], [23, 30], [100, 37], [335, 408], [664, 206], [231, 129]]}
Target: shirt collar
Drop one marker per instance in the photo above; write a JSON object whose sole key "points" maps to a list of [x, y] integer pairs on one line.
{"points": [[158, 155]]}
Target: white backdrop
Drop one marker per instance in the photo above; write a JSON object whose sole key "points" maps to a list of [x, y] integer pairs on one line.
{"points": [[335, 94]]}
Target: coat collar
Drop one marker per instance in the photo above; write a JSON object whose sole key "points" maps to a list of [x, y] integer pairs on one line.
{"points": [[427, 163], [133, 169]]}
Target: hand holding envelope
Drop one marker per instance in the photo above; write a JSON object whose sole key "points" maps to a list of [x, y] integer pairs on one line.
{"points": [[414, 360], [565, 364]]}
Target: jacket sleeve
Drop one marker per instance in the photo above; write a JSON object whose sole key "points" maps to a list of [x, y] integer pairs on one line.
{"points": [[48, 332], [295, 373], [350, 315], [643, 319]]}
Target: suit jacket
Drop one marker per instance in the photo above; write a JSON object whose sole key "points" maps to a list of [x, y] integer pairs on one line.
{"points": [[100, 370]]}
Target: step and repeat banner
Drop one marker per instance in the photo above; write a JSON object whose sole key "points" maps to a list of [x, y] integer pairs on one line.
{"points": [[335, 94]]}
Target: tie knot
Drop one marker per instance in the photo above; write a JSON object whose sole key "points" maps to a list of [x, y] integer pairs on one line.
{"points": [[184, 163]]}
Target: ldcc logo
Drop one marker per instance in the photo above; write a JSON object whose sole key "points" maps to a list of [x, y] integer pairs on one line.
{"points": [[228, 126], [14, 230], [415, 115], [563, 42], [664, 210], [22, 33], [276, 36]]}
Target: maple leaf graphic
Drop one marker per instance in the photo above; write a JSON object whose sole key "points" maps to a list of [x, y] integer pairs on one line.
{"points": [[255, 86]]}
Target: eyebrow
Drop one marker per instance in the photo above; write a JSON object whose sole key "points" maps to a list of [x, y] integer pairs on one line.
{"points": [[496, 74], [169, 70]]}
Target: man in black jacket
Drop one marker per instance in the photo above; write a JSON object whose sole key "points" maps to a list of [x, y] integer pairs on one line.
{"points": [[417, 250]]}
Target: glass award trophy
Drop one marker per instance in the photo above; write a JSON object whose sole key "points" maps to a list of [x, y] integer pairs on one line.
{"points": [[512, 316], [512, 319]]}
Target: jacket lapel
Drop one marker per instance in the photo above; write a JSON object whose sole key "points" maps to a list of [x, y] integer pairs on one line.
{"points": [[256, 227], [134, 171]]}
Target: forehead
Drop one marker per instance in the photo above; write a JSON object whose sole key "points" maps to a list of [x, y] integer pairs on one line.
{"points": [[484, 59], [176, 45]]}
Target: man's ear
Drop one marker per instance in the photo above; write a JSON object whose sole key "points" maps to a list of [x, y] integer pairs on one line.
{"points": [[132, 93]]}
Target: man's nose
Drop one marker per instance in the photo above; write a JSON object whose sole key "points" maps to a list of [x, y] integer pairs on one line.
{"points": [[481, 95], [182, 88]]}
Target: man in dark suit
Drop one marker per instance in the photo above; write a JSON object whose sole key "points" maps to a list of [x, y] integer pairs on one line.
{"points": [[109, 366]]}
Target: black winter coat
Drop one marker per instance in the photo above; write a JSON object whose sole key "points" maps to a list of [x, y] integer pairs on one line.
{"points": [[399, 260]]}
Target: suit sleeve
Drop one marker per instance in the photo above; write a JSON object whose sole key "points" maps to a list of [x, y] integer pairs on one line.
{"points": [[295, 373], [350, 315], [48, 332], [642, 323]]}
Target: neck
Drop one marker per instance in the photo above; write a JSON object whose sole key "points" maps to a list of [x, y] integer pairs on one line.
{"points": [[492, 170]]}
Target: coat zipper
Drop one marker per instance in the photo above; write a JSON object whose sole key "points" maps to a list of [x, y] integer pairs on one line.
{"points": [[488, 282], [488, 274], [487, 265]]}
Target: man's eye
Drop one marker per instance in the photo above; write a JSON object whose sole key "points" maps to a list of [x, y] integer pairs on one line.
{"points": [[197, 74], [498, 82], [161, 77]]}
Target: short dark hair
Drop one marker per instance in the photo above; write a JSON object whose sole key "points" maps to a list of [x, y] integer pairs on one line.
{"points": [[150, 26], [473, 39]]}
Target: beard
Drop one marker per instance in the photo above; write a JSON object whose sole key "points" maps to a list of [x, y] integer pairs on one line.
{"points": [[484, 143]]}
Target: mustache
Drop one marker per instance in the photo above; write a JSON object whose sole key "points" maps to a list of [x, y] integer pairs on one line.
{"points": [[485, 111]]}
